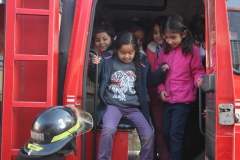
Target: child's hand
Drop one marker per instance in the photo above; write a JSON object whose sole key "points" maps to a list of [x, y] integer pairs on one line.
{"points": [[165, 67], [96, 59], [199, 82], [163, 95], [204, 113]]}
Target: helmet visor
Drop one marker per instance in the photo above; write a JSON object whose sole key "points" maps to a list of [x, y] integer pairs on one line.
{"points": [[84, 119]]}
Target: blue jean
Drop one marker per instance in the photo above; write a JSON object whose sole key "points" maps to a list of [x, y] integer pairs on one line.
{"points": [[175, 117], [110, 121]]}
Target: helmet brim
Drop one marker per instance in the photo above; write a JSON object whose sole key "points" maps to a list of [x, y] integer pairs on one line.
{"points": [[45, 149]]}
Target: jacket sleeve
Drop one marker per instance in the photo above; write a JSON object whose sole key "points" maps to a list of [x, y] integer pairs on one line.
{"points": [[156, 77], [161, 86], [197, 68], [92, 70]]}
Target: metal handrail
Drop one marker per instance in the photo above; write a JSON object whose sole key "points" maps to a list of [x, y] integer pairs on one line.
{"points": [[95, 107], [200, 111]]}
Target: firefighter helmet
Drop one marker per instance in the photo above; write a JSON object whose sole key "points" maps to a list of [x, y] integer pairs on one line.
{"points": [[55, 127]]}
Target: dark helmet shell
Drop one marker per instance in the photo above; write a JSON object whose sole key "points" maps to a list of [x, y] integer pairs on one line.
{"points": [[51, 130]]}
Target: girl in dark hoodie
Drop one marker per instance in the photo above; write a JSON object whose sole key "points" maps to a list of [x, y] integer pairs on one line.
{"points": [[124, 78]]}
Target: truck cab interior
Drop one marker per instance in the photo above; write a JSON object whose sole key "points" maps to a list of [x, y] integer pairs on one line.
{"points": [[120, 13]]}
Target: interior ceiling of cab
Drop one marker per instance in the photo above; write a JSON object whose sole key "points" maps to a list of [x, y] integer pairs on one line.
{"points": [[120, 18]]}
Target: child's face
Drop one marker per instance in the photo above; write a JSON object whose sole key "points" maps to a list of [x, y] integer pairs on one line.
{"points": [[140, 37], [126, 53], [157, 35], [102, 41], [174, 39]]}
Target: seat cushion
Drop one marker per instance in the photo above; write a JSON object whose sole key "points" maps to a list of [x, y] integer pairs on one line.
{"points": [[124, 124]]}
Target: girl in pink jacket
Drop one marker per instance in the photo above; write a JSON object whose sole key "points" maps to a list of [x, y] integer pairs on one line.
{"points": [[180, 86]]}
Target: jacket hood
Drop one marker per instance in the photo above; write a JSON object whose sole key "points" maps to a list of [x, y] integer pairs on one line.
{"points": [[152, 46]]}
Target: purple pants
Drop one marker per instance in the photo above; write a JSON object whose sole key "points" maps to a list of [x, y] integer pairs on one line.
{"points": [[110, 121]]}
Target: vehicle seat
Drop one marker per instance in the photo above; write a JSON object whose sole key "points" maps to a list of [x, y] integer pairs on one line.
{"points": [[124, 124]]}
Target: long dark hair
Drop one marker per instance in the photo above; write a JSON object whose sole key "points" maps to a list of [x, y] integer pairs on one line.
{"points": [[126, 38], [159, 21], [175, 24]]}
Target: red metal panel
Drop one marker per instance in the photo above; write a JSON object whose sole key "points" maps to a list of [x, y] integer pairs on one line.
{"points": [[8, 82], [43, 4], [74, 74], [120, 145], [224, 81], [236, 144], [30, 69]]}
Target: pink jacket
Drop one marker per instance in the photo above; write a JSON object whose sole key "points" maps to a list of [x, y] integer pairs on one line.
{"points": [[184, 71]]}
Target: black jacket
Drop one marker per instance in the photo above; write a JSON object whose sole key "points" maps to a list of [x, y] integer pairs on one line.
{"points": [[147, 80], [24, 156]]}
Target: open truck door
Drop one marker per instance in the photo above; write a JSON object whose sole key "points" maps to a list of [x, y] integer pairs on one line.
{"points": [[219, 84], [233, 12]]}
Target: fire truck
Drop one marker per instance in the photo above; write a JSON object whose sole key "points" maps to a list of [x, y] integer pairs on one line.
{"points": [[44, 59]]}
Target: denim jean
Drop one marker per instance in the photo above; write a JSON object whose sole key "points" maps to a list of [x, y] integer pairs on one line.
{"points": [[174, 121]]}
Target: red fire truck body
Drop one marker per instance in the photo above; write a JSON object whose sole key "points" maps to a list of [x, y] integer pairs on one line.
{"points": [[44, 64]]}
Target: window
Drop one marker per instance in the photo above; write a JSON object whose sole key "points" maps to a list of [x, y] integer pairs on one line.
{"points": [[234, 30]]}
